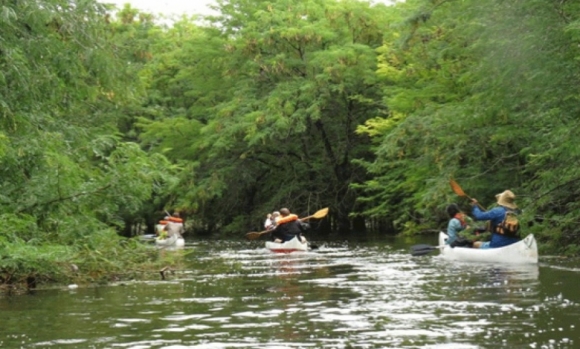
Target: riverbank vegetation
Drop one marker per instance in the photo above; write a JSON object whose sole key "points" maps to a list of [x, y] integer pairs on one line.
{"points": [[109, 117]]}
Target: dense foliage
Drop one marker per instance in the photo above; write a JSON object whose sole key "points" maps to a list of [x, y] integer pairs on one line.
{"points": [[109, 117], [371, 109], [264, 103], [68, 178], [484, 93]]}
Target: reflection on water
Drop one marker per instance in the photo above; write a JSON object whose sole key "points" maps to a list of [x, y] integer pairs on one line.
{"points": [[339, 296]]}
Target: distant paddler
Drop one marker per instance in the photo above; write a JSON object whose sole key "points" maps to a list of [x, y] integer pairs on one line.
{"points": [[171, 226], [288, 226], [175, 227]]}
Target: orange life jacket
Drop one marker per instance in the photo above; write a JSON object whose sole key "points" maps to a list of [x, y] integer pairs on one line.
{"points": [[171, 219], [175, 220], [461, 217], [289, 218]]}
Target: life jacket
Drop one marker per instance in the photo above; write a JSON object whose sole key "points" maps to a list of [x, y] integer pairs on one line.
{"points": [[461, 218], [510, 226], [170, 219], [289, 218], [175, 219]]}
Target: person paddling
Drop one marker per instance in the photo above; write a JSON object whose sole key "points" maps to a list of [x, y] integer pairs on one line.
{"points": [[174, 226], [288, 227], [458, 222], [496, 216]]}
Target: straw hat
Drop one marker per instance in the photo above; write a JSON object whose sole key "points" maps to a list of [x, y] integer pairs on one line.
{"points": [[507, 199]]}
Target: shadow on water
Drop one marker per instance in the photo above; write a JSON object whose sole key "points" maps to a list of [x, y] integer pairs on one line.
{"points": [[364, 293]]}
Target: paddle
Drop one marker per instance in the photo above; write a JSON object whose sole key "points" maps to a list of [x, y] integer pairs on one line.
{"points": [[318, 214], [423, 249], [457, 189]]}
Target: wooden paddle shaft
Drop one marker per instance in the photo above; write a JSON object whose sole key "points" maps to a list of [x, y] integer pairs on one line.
{"points": [[459, 191]]}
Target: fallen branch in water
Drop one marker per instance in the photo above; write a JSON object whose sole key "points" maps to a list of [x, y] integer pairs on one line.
{"points": [[164, 270]]}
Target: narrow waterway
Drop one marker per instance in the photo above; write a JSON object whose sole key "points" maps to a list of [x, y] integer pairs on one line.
{"points": [[342, 295]]}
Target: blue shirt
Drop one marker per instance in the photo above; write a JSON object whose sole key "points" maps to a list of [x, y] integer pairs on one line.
{"points": [[495, 216], [453, 228]]}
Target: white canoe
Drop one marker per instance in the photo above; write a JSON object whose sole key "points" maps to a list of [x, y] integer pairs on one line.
{"points": [[170, 243], [288, 246], [522, 252]]}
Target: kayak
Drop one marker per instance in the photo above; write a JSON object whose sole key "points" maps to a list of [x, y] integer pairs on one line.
{"points": [[288, 246], [522, 252], [170, 243], [147, 237]]}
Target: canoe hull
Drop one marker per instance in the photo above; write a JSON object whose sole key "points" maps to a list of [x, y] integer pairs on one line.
{"points": [[287, 247], [170, 243], [522, 252]]}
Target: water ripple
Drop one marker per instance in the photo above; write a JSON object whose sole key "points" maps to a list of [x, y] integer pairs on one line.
{"points": [[340, 296]]}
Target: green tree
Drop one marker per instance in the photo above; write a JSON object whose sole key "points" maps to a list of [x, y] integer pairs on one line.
{"points": [[275, 92], [66, 173], [484, 93]]}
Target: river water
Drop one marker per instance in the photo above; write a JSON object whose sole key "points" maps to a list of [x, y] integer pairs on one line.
{"points": [[341, 295]]}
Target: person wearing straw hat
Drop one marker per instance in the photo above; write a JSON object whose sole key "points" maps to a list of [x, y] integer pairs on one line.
{"points": [[496, 217]]}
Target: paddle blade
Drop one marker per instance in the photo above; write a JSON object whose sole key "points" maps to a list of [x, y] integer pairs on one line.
{"points": [[420, 250], [255, 234], [320, 213], [456, 188]]}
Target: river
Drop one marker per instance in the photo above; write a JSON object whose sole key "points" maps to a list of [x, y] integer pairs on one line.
{"points": [[346, 295]]}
